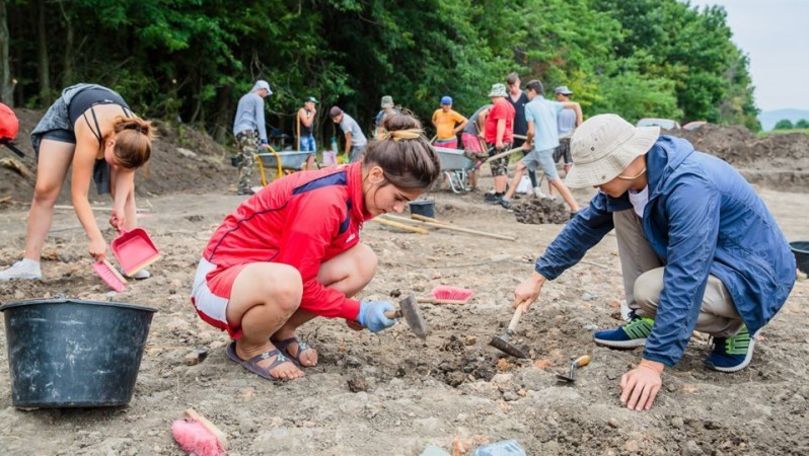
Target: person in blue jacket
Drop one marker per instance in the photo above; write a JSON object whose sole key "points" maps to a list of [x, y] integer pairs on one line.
{"points": [[699, 249]]}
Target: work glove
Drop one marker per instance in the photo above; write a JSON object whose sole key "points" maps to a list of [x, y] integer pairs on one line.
{"points": [[372, 315], [263, 142]]}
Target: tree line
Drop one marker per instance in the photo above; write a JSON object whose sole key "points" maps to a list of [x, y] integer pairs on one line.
{"points": [[786, 124], [192, 59]]}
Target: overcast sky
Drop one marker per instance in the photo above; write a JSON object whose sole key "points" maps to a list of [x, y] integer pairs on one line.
{"points": [[775, 34]]}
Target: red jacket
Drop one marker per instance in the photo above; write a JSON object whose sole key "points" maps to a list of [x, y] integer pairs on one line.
{"points": [[301, 220]]}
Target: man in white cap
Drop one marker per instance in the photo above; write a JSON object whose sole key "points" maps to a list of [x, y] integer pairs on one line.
{"points": [[250, 132], [699, 249]]}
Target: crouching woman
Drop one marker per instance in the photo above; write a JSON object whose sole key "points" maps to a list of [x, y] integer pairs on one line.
{"points": [[292, 252]]}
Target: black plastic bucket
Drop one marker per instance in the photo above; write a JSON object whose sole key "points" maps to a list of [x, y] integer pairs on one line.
{"points": [[73, 353], [423, 207], [801, 251]]}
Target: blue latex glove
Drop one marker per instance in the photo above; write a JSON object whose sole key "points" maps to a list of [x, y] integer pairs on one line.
{"points": [[372, 315]]}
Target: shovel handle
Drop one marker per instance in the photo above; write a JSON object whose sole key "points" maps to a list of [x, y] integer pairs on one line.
{"points": [[393, 314], [441, 301], [516, 318], [582, 361]]}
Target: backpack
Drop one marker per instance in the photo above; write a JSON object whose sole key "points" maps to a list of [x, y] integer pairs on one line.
{"points": [[9, 127]]}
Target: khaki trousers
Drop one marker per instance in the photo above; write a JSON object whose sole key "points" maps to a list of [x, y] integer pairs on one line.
{"points": [[643, 280]]}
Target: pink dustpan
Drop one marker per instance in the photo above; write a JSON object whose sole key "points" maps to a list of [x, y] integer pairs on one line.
{"points": [[134, 250], [109, 275]]}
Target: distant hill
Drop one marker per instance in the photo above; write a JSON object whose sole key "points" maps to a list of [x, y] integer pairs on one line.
{"points": [[768, 119]]}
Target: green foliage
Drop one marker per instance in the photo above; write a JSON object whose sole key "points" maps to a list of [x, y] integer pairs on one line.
{"points": [[802, 124], [784, 124], [193, 59]]}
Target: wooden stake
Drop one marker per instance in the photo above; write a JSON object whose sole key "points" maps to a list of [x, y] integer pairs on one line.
{"points": [[437, 224], [401, 226]]}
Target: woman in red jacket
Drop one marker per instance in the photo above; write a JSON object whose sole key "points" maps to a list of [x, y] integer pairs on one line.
{"points": [[292, 252]]}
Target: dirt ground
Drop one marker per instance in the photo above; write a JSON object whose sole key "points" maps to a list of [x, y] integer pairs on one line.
{"points": [[392, 394]]}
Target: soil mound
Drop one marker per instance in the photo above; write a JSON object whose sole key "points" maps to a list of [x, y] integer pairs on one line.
{"points": [[738, 146], [183, 160], [537, 211], [777, 161]]}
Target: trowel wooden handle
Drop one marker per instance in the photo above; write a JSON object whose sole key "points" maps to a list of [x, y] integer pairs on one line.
{"points": [[517, 315], [582, 361], [393, 314]]}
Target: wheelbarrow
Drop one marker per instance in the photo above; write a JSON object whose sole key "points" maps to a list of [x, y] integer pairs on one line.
{"points": [[282, 162], [456, 166]]}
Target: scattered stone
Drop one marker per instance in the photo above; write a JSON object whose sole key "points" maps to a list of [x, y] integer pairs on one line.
{"points": [[470, 340], [455, 378], [632, 446], [510, 396], [503, 364], [613, 423], [352, 361], [502, 379], [186, 153], [395, 293], [357, 384], [692, 449], [677, 422], [195, 357], [194, 218]]}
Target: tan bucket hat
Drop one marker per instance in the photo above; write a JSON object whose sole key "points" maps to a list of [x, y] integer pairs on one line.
{"points": [[603, 146]]}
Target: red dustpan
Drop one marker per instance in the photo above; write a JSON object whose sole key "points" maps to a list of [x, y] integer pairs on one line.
{"points": [[134, 250]]}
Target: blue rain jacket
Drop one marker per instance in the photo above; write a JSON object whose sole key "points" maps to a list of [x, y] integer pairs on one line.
{"points": [[702, 218]]}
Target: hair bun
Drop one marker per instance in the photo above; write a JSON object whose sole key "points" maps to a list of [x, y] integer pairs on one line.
{"points": [[397, 122], [141, 126]]}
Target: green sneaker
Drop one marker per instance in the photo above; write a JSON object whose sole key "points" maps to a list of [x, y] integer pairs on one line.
{"points": [[630, 335], [731, 354]]}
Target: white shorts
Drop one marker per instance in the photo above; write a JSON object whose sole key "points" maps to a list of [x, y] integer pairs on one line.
{"points": [[212, 308]]}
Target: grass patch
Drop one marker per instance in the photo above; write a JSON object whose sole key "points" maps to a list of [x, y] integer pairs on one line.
{"points": [[764, 134]]}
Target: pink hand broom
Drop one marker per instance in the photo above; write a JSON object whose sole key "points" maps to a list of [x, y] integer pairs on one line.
{"points": [[197, 435]]}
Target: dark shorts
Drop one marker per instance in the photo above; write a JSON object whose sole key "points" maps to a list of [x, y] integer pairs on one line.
{"points": [[563, 151], [66, 136]]}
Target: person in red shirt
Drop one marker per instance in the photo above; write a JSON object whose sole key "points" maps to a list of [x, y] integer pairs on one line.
{"points": [[498, 133], [292, 252]]}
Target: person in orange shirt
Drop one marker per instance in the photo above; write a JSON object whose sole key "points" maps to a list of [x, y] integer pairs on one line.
{"points": [[448, 123]]}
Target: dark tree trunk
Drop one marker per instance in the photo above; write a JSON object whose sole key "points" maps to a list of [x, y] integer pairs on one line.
{"points": [[223, 118], [70, 47], [6, 85], [44, 68]]}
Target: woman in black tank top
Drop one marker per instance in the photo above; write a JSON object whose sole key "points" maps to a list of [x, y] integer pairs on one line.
{"points": [[91, 130]]}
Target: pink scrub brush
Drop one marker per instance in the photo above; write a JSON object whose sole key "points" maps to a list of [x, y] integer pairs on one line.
{"points": [[198, 436]]}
